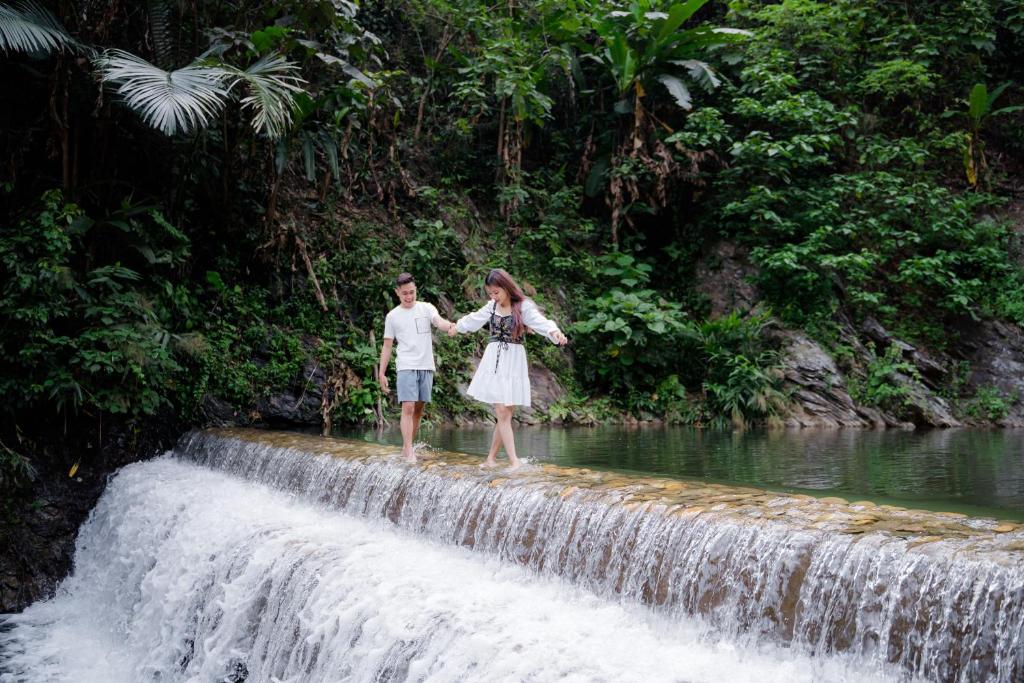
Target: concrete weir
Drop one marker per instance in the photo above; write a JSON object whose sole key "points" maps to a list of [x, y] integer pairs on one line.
{"points": [[937, 594]]}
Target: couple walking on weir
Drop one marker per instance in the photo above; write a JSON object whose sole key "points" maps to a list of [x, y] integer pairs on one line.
{"points": [[502, 378]]}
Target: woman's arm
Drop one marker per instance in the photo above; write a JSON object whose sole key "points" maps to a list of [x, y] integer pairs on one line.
{"points": [[474, 321], [536, 321]]}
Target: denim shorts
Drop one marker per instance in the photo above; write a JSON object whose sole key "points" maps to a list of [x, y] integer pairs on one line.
{"points": [[415, 385]]}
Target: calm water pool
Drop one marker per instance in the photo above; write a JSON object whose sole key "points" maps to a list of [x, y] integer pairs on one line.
{"points": [[977, 472]]}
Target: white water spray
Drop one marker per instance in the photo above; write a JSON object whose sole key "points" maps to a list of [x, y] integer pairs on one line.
{"points": [[777, 569], [185, 574]]}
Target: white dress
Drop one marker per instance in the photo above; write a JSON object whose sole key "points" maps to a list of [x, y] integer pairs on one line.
{"points": [[503, 376]]}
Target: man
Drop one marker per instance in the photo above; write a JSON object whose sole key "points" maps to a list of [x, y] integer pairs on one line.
{"points": [[409, 323]]}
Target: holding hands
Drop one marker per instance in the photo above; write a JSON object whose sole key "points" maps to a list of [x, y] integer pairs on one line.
{"points": [[557, 336]]}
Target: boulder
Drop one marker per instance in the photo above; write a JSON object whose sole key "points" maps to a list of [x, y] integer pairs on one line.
{"points": [[301, 404], [818, 395], [820, 398], [995, 353], [725, 276], [545, 390], [924, 407], [216, 412], [933, 369]]}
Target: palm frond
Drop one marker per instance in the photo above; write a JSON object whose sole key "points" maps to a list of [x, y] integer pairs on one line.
{"points": [[680, 93], [179, 101], [700, 72], [272, 83], [28, 27]]}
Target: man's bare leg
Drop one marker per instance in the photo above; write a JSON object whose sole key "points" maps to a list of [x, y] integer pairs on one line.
{"points": [[416, 417], [409, 425]]}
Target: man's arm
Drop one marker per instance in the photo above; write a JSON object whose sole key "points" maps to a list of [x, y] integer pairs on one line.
{"points": [[442, 324], [382, 367]]}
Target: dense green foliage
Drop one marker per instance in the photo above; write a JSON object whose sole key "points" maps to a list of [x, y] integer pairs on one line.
{"points": [[858, 150], [844, 179], [88, 331]]}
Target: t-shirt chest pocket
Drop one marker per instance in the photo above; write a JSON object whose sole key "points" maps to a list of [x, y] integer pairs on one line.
{"points": [[422, 325]]}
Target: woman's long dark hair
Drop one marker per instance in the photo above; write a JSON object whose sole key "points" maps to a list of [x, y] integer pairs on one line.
{"points": [[499, 278]]}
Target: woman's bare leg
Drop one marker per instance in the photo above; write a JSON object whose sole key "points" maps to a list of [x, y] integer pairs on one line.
{"points": [[492, 453], [504, 430]]}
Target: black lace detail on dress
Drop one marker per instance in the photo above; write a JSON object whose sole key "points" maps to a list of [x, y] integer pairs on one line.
{"points": [[501, 332]]}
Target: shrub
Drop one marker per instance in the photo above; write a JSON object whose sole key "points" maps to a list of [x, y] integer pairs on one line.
{"points": [[628, 337], [989, 403], [88, 335], [741, 378], [884, 385]]}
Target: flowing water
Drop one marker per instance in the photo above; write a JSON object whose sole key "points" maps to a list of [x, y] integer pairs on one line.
{"points": [[281, 557]]}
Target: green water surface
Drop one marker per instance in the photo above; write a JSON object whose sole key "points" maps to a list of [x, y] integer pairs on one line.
{"points": [[977, 472]]}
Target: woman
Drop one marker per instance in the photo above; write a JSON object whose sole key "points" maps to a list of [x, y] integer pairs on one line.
{"points": [[503, 379]]}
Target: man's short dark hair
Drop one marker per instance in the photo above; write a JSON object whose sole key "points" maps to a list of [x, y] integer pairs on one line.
{"points": [[404, 279]]}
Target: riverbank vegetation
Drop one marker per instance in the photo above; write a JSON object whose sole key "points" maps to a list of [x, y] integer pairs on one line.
{"points": [[207, 203]]}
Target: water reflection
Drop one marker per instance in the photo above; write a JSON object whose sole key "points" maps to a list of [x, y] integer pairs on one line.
{"points": [[973, 471]]}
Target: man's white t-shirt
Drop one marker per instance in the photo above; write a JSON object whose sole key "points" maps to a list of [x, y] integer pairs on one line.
{"points": [[411, 328]]}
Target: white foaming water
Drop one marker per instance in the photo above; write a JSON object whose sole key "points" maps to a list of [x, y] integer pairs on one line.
{"points": [[184, 574], [944, 608]]}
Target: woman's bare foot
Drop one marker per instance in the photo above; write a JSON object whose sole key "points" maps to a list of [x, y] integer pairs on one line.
{"points": [[514, 464], [409, 456], [488, 464]]}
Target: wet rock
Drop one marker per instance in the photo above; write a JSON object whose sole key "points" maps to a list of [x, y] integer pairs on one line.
{"points": [[37, 539], [819, 396], [302, 404], [925, 407], [995, 352], [545, 390], [933, 369], [218, 413]]}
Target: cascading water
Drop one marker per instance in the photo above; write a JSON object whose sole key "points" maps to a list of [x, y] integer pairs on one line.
{"points": [[187, 574], [184, 574]]}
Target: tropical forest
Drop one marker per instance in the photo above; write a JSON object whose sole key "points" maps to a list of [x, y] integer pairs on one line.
{"points": [[748, 217]]}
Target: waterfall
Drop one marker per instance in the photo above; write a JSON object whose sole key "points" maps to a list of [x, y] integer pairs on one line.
{"points": [[193, 574], [939, 596], [187, 574]]}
